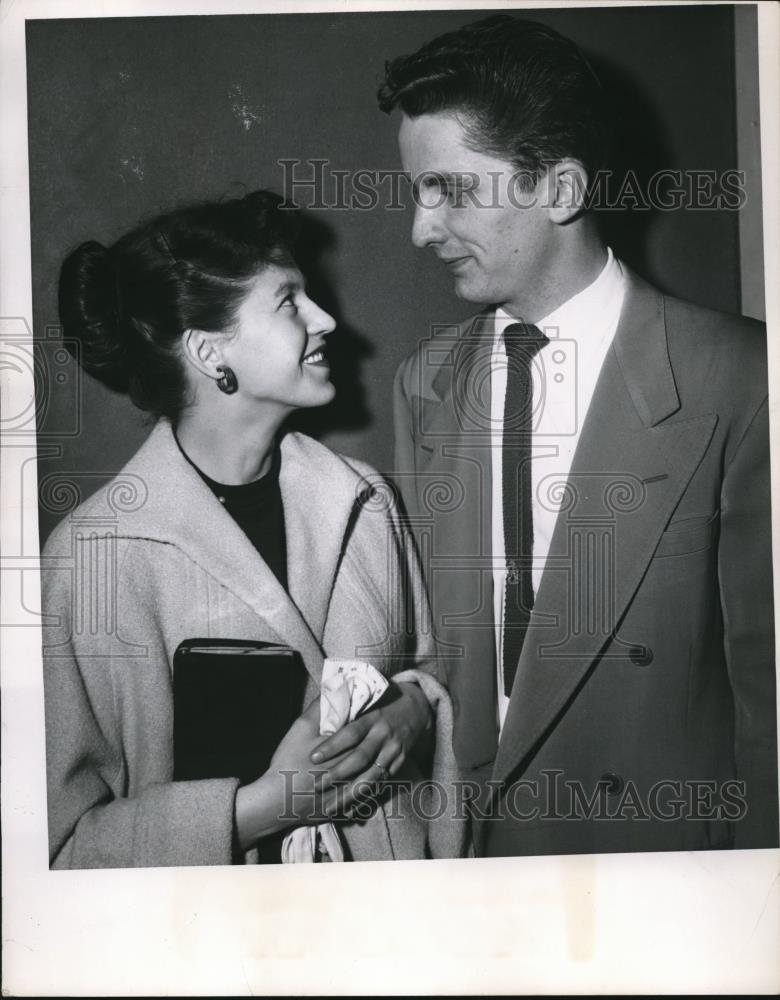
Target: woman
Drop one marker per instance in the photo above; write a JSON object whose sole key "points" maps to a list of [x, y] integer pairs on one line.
{"points": [[239, 530]]}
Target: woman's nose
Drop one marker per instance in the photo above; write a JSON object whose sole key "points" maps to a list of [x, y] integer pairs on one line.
{"points": [[320, 322]]}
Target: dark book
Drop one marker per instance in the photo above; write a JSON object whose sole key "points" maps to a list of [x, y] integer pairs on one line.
{"points": [[233, 701]]}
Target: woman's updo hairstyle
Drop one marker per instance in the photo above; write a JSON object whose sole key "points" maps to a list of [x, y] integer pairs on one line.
{"points": [[127, 306]]}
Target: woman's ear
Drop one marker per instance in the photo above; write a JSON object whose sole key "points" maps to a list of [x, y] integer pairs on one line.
{"points": [[567, 187], [202, 351]]}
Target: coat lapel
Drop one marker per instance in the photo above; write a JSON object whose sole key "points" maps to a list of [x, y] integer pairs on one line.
{"points": [[318, 492], [629, 471]]}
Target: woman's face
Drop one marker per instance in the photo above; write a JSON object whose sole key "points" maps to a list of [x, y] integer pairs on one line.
{"points": [[277, 352]]}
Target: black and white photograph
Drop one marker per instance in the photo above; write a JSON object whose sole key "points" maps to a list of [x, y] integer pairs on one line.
{"points": [[387, 420]]}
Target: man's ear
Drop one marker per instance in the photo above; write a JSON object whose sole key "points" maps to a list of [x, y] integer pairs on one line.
{"points": [[202, 351], [567, 185]]}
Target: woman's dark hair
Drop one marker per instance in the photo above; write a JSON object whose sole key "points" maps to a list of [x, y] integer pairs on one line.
{"points": [[526, 93], [126, 306]]}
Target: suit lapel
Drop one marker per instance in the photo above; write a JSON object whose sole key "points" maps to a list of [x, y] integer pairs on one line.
{"points": [[455, 432], [455, 451], [629, 471]]}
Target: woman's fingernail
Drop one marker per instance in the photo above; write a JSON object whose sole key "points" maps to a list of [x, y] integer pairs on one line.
{"points": [[316, 756]]}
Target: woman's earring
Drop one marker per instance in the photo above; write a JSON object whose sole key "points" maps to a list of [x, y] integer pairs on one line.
{"points": [[227, 383]]}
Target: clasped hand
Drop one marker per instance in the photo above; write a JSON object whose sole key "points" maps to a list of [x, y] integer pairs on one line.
{"points": [[375, 745], [311, 779]]}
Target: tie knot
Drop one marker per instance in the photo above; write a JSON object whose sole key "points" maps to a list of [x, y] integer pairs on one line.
{"points": [[524, 339]]}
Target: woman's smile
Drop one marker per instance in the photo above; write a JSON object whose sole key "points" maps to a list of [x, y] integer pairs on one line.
{"points": [[317, 358]]}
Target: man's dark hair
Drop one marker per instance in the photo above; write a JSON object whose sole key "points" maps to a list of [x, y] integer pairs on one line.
{"points": [[523, 92]]}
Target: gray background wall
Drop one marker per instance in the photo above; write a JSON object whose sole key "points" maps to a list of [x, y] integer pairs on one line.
{"points": [[128, 117]]}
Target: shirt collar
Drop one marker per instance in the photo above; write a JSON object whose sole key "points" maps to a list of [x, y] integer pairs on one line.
{"points": [[593, 310]]}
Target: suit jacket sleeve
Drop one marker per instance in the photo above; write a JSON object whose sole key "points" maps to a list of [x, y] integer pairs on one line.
{"points": [[448, 835], [91, 822], [745, 571]]}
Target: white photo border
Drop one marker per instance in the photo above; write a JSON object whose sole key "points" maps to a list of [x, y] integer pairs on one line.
{"points": [[641, 923]]}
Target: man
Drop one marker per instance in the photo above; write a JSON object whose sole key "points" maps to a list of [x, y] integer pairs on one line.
{"points": [[586, 464]]}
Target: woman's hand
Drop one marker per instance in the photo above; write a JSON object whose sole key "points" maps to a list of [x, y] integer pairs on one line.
{"points": [[290, 793], [377, 743], [299, 790]]}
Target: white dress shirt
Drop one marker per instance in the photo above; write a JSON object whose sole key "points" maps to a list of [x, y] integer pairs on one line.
{"points": [[564, 376]]}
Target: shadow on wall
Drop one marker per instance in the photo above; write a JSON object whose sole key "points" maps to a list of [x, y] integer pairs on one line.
{"points": [[347, 348], [639, 149]]}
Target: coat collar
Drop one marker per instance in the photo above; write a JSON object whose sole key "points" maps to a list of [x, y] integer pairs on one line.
{"points": [[642, 351], [319, 490], [640, 346], [469, 354]]}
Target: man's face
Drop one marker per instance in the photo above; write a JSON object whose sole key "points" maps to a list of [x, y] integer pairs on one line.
{"points": [[495, 238]]}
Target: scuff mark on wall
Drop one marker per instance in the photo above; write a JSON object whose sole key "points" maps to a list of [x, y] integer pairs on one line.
{"points": [[242, 110], [132, 164]]}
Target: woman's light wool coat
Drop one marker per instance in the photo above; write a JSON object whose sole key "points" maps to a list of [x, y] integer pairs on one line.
{"points": [[152, 559]]}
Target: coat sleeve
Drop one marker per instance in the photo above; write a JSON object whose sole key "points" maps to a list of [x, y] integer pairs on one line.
{"points": [[745, 575], [92, 822]]}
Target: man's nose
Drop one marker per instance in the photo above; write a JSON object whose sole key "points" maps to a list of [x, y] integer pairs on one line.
{"points": [[427, 227]]}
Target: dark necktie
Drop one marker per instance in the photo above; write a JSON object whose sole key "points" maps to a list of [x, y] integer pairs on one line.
{"points": [[522, 343]]}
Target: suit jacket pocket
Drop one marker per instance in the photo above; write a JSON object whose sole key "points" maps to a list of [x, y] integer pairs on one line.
{"points": [[688, 534]]}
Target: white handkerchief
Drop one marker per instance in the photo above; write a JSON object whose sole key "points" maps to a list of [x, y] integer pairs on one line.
{"points": [[347, 687]]}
